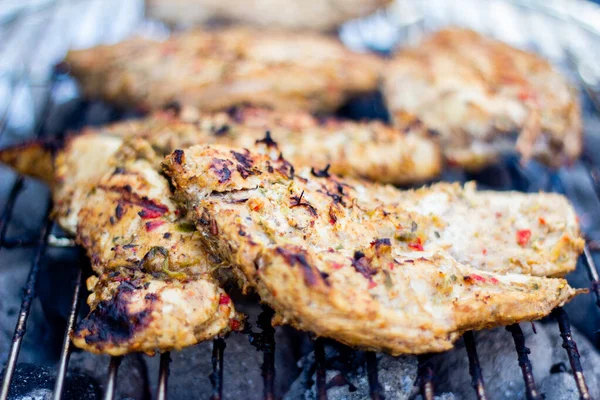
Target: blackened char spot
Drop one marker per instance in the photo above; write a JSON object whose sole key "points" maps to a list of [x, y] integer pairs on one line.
{"points": [[381, 242], [221, 131], [111, 322], [174, 107], [268, 140], [119, 211], [293, 258], [245, 164], [151, 297], [244, 159], [297, 201], [286, 168], [178, 156], [324, 173], [361, 265], [221, 168]]}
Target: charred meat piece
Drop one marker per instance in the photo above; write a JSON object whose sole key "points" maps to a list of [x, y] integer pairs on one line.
{"points": [[319, 15], [155, 289], [485, 98], [221, 68], [332, 259]]}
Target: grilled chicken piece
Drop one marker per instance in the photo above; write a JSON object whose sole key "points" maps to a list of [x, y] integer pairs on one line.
{"points": [[485, 98], [156, 290], [221, 68], [318, 15], [331, 259], [362, 149], [502, 232]]}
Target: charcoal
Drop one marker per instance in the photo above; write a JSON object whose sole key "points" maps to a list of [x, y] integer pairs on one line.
{"points": [[190, 369], [132, 380], [32, 382], [501, 373], [346, 376]]}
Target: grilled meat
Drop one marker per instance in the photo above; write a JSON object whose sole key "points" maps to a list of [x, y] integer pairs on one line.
{"points": [[503, 232], [111, 196], [485, 98], [362, 149], [221, 68], [332, 259], [320, 15], [156, 290], [156, 281]]}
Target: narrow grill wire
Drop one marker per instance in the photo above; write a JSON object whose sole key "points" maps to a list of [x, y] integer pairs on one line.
{"points": [[30, 90]]}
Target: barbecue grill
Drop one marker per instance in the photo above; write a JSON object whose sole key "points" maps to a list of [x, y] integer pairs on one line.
{"points": [[38, 100]]}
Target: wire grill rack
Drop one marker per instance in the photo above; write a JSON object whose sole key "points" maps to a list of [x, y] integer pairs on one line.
{"points": [[33, 92]]}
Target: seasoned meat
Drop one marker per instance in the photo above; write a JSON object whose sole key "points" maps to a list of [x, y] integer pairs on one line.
{"points": [[220, 68], [319, 15], [155, 289], [485, 98], [362, 149], [502, 232], [332, 259]]}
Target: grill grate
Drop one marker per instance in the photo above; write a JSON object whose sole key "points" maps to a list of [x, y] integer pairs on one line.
{"points": [[265, 340]]}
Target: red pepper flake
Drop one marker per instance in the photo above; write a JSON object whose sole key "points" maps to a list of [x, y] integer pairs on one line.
{"points": [[523, 236], [336, 265], [234, 324], [498, 214], [152, 225], [224, 299], [484, 251], [417, 246], [148, 213], [494, 280], [542, 221], [474, 277], [372, 284], [526, 94], [391, 266]]}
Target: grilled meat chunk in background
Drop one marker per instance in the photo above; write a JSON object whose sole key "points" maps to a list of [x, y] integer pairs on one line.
{"points": [[333, 260], [371, 150], [318, 15], [220, 68], [485, 98]]}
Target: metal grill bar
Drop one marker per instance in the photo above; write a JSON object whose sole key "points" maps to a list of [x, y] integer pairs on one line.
{"points": [[163, 376], [216, 377], [372, 375], [66, 348], [268, 367], [111, 384], [530, 389], [8, 208], [28, 297], [321, 372], [474, 366], [592, 273], [571, 348], [425, 377]]}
